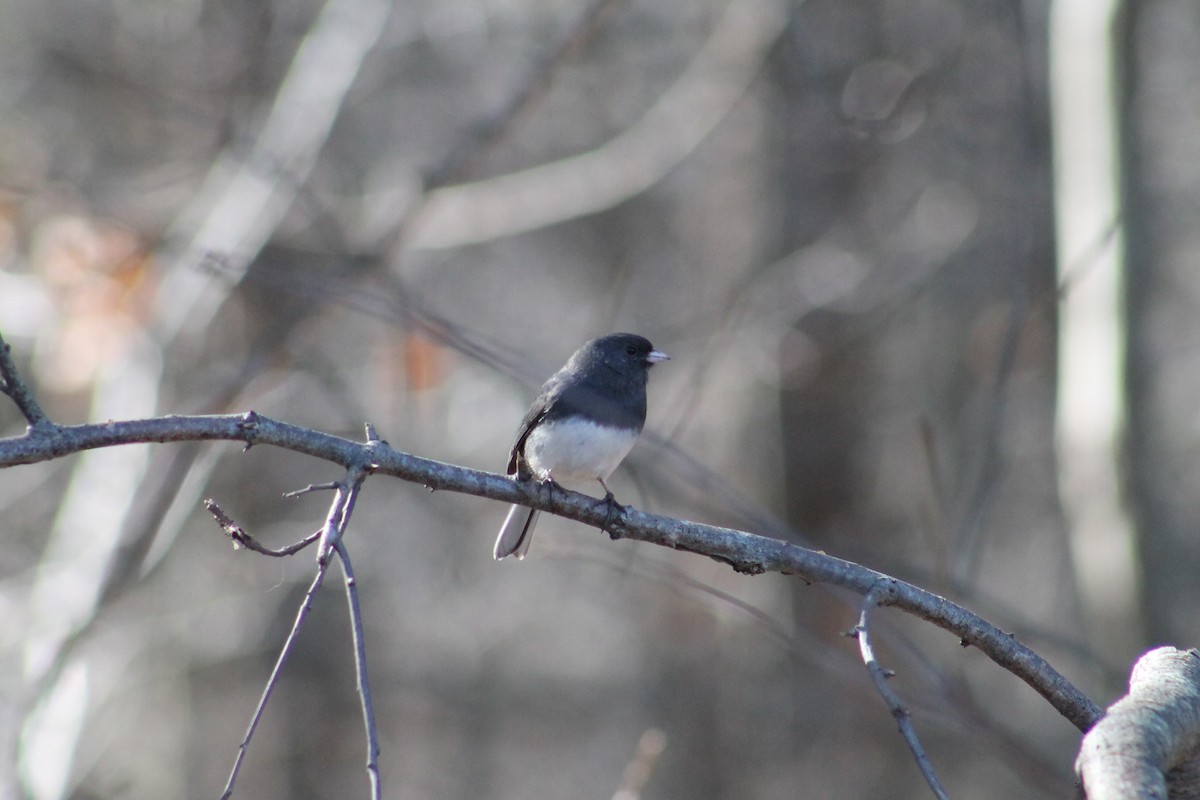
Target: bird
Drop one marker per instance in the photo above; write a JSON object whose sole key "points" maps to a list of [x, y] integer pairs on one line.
{"points": [[583, 423]]}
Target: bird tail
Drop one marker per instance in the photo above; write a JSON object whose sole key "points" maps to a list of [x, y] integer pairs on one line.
{"points": [[515, 534]]}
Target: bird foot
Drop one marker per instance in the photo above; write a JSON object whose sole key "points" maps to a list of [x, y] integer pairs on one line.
{"points": [[549, 485], [612, 510]]}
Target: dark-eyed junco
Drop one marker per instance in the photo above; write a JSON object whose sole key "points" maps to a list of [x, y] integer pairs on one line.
{"points": [[582, 424]]}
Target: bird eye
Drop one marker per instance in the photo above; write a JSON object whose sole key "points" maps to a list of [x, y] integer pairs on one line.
{"points": [[631, 350]]}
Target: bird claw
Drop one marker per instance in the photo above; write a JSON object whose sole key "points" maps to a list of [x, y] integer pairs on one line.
{"points": [[549, 484], [612, 510]]}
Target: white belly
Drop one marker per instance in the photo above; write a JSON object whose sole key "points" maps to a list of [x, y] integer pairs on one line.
{"points": [[577, 450]]}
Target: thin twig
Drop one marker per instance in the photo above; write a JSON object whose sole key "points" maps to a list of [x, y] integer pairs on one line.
{"points": [[273, 680], [335, 525], [240, 538], [13, 385], [312, 487], [360, 671], [880, 676], [341, 509]]}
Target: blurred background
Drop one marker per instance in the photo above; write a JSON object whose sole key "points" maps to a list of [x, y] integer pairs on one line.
{"points": [[927, 272]]}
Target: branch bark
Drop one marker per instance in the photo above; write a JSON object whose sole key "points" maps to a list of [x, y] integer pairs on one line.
{"points": [[1148, 744], [745, 552]]}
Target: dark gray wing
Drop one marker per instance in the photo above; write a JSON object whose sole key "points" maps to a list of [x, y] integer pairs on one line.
{"points": [[546, 400]]}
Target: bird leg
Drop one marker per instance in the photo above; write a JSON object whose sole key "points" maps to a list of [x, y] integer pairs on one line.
{"points": [[550, 485], [612, 508]]}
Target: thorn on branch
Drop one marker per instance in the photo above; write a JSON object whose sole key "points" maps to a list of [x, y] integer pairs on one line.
{"points": [[249, 426]]}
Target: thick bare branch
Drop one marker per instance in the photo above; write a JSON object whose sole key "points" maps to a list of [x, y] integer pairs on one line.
{"points": [[745, 552], [1149, 738]]}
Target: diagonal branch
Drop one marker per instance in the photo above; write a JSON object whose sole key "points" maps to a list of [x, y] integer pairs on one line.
{"points": [[245, 196], [879, 677], [626, 165], [745, 552], [272, 681], [360, 670], [13, 385]]}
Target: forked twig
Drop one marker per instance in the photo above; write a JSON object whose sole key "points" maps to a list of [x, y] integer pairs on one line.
{"points": [[330, 535], [880, 676]]}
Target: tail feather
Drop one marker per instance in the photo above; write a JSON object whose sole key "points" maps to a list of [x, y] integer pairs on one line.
{"points": [[516, 533]]}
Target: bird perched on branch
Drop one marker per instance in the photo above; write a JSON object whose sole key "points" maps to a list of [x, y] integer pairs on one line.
{"points": [[581, 426]]}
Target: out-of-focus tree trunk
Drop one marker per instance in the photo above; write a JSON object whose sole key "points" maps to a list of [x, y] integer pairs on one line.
{"points": [[899, 452], [1159, 85]]}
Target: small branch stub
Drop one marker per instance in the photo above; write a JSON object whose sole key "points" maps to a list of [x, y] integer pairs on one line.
{"points": [[237, 534]]}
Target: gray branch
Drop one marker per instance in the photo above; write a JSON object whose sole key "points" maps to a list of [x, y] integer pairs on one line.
{"points": [[1148, 744], [880, 677], [745, 552], [17, 390]]}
